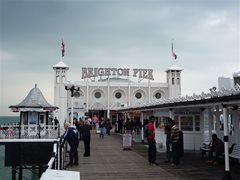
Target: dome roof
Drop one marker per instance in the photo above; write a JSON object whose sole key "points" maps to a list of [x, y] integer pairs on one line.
{"points": [[60, 65], [34, 99], [174, 67]]}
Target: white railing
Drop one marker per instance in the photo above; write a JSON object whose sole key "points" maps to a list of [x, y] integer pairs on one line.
{"points": [[29, 131]]}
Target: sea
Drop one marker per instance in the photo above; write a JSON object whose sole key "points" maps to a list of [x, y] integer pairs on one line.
{"points": [[5, 172]]}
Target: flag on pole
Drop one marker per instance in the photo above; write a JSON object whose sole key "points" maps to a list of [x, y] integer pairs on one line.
{"points": [[63, 48], [173, 53]]}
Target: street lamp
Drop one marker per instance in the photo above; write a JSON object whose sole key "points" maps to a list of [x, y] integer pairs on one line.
{"points": [[73, 89]]}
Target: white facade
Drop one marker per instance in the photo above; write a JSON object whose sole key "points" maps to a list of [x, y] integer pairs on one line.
{"points": [[60, 94], [110, 92]]}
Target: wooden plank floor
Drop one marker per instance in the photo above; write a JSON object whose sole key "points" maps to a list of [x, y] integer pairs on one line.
{"points": [[108, 161]]}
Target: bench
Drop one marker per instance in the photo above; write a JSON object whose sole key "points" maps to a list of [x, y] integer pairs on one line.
{"points": [[235, 152], [205, 148]]}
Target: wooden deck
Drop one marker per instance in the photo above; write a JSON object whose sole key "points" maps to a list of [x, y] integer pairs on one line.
{"points": [[108, 161]]}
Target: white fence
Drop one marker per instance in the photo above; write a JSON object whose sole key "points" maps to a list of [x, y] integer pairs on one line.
{"points": [[29, 131]]}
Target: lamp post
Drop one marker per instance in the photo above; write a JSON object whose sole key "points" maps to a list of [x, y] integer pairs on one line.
{"points": [[72, 88]]}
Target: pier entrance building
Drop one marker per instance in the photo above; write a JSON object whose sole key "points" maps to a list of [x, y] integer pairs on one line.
{"points": [[103, 90]]}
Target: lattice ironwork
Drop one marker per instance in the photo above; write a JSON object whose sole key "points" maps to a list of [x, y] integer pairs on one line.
{"points": [[29, 131]]}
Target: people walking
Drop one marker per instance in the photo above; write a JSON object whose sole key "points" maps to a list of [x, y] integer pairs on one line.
{"points": [[151, 142], [71, 137], [86, 137], [120, 125], [102, 127], [108, 127], [95, 120]]}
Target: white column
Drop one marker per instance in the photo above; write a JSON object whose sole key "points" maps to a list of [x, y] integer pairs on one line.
{"points": [[129, 94], [117, 123], [87, 96], [142, 133], [108, 101], [214, 122], [125, 117], [171, 114], [149, 92], [71, 111], [225, 129]]}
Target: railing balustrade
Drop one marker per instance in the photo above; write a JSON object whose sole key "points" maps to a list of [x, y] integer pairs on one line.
{"points": [[15, 131]]}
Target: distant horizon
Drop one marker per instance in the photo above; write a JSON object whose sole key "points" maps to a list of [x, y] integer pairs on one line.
{"points": [[8, 116]]}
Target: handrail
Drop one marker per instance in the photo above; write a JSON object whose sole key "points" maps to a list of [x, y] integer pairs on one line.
{"points": [[50, 163], [29, 131]]}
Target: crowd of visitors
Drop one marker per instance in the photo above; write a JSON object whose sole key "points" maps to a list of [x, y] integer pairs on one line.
{"points": [[81, 131], [174, 138]]}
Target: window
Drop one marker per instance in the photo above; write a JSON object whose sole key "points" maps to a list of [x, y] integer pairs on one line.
{"points": [[138, 95], [33, 118], [41, 119], [178, 81], [25, 118], [63, 79], [172, 81], [187, 123], [118, 95], [58, 79], [158, 95], [97, 95], [197, 123]]}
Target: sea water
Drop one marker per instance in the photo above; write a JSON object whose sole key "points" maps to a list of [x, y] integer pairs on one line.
{"points": [[5, 172], [9, 119]]}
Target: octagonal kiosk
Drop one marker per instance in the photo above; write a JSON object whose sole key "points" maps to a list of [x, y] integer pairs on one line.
{"points": [[35, 120], [35, 141]]}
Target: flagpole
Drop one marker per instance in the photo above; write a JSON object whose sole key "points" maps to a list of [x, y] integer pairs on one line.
{"points": [[172, 53], [62, 49], [174, 56]]}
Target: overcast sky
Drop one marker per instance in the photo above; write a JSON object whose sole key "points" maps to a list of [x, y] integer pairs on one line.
{"points": [[115, 33]]}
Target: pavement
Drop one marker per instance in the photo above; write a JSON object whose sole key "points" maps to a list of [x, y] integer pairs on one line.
{"points": [[108, 161]]}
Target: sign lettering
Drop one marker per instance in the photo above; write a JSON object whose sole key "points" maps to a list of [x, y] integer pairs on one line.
{"points": [[95, 72]]}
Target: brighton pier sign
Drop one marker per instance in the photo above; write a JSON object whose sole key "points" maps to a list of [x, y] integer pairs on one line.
{"points": [[95, 72]]}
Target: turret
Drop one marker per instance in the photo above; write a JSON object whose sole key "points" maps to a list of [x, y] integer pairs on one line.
{"points": [[60, 94], [174, 81]]}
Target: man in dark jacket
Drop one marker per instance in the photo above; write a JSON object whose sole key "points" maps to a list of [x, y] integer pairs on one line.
{"points": [[86, 137], [71, 137]]}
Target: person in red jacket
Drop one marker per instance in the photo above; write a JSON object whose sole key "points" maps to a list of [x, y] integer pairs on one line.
{"points": [[151, 142]]}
